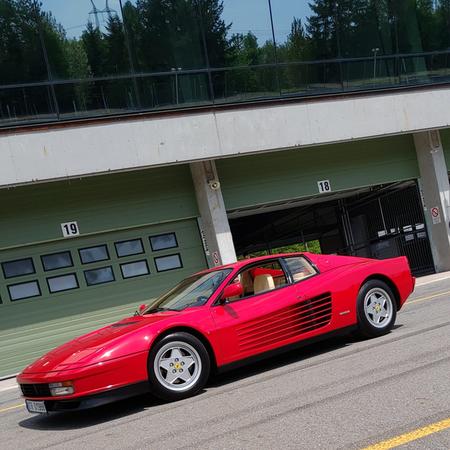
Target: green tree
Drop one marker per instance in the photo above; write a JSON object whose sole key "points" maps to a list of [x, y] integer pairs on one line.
{"points": [[96, 50], [443, 24], [116, 53]]}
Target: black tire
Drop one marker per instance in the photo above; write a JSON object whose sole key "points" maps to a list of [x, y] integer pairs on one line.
{"points": [[368, 315], [176, 351]]}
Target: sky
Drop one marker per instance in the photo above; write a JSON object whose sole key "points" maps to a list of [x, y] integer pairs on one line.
{"points": [[245, 15]]}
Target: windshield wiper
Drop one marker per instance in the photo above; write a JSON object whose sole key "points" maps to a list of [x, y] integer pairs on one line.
{"points": [[159, 309]]}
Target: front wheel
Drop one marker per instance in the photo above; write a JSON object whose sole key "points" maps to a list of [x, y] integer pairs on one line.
{"points": [[179, 366], [376, 308]]}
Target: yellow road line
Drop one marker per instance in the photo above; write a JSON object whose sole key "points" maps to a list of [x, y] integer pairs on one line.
{"points": [[411, 436], [429, 297], [11, 407]]}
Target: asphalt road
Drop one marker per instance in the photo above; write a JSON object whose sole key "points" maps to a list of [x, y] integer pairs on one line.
{"points": [[340, 394]]}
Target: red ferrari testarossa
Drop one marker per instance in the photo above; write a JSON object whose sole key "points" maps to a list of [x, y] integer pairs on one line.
{"points": [[218, 319]]}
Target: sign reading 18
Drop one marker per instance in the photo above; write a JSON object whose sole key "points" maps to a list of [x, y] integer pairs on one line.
{"points": [[324, 186], [70, 229]]}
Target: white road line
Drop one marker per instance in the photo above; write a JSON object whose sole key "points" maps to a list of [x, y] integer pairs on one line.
{"points": [[418, 283], [9, 388]]}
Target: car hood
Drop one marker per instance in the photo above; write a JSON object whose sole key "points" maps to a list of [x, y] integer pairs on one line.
{"points": [[97, 346]]}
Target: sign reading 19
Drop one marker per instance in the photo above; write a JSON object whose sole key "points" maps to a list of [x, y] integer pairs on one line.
{"points": [[70, 229], [324, 186]]}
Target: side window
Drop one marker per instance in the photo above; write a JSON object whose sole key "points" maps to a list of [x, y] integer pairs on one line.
{"points": [[300, 268], [261, 278]]}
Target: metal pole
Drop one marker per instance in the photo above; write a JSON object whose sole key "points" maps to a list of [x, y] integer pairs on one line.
{"points": [[338, 43], [375, 51], [47, 63], [275, 48], [130, 59], [205, 49]]}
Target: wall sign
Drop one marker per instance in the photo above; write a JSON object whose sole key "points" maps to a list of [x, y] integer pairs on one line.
{"points": [[70, 229], [216, 258], [435, 215], [324, 186], [203, 237]]}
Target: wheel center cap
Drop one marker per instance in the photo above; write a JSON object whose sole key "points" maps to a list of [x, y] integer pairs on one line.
{"points": [[377, 307], [177, 366]]}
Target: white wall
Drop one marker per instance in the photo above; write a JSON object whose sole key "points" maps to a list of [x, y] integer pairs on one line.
{"points": [[91, 149]]}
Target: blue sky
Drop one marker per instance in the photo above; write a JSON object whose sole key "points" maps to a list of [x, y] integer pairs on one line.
{"points": [[245, 15]]}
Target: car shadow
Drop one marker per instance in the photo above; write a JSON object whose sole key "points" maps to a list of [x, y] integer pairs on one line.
{"points": [[71, 420], [283, 359], [62, 421]]}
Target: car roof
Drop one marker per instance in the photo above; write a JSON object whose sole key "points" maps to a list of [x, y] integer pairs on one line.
{"points": [[244, 262]]}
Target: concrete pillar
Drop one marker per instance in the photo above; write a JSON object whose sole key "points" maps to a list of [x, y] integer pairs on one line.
{"points": [[435, 192], [219, 247]]}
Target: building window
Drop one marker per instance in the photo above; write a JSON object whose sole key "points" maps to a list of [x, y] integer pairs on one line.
{"points": [[128, 248], [170, 262], [163, 241], [99, 276], [94, 254], [56, 261], [18, 268], [62, 283], [24, 290], [134, 269]]}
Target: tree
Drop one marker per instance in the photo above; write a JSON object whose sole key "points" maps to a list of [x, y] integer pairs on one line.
{"points": [[95, 48], [442, 15], [116, 53]]}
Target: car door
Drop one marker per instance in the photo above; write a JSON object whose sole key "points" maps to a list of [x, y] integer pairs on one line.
{"points": [[262, 322], [259, 321], [324, 299]]}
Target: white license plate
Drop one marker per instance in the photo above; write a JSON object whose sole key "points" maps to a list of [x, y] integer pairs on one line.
{"points": [[36, 407]]}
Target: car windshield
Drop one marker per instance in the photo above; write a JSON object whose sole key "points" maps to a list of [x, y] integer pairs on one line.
{"points": [[193, 291]]}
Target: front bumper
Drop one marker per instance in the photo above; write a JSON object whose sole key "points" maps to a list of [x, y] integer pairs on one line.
{"points": [[92, 401]]}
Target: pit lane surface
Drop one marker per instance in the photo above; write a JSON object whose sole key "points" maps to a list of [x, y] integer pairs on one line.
{"points": [[340, 394]]}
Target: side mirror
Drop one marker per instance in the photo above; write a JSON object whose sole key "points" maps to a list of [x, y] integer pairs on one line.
{"points": [[232, 290], [142, 308]]}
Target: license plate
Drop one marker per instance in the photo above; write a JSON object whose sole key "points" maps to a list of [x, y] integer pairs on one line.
{"points": [[36, 407]]}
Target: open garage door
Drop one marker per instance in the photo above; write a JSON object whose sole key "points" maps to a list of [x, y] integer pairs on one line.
{"points": [[378, 222]]}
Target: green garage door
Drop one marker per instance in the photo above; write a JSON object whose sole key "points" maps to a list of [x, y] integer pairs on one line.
{"points": [[55, 291]]}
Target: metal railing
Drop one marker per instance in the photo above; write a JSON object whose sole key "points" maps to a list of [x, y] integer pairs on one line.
{"points": [[72, 99]]}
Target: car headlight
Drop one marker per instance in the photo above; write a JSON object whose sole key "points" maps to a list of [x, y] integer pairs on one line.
{"points": [[63, 388]]}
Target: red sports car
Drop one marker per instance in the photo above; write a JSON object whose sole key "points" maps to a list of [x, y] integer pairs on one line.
{"points": [[215, 320]]}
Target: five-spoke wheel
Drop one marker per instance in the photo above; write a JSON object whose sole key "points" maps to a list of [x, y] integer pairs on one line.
{"points": [[178, 366], [376, 308]]}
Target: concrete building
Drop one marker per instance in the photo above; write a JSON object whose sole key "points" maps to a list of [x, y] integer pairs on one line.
{"points": [[118, 182]]}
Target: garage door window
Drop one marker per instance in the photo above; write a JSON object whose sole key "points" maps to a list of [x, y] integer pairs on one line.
{"points": [[18, 268], [163, 241], [99, 276], [127, 248], [56, 261], [94, 254], [24, 290], [170, 262], [62, 283], [134, 269]]}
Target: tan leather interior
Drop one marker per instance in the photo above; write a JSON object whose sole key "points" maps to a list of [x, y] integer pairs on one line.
{"points": [[263, 283]]}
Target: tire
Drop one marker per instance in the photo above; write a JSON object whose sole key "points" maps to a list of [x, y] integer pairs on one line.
{"points": [[178, 366], [376, 309]]}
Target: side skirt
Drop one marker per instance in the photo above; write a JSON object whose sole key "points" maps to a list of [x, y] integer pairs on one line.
{"points": [[286, 348]]}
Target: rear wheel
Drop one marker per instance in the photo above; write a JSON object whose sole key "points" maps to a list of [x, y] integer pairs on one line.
{"points": [[376, 308], [178, 366]]}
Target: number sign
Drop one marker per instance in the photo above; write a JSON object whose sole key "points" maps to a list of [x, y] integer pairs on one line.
{"points": [[324, 186], [70, 229]]}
